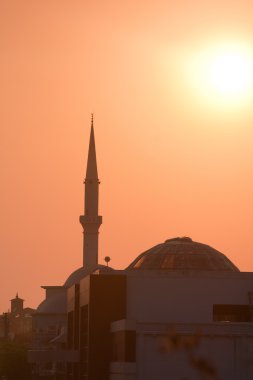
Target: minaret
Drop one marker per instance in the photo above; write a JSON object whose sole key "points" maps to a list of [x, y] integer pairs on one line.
{"points": [[91, 221]]}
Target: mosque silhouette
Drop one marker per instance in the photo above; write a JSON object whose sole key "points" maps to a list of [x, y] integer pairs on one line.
{"points": [[180, 310]]}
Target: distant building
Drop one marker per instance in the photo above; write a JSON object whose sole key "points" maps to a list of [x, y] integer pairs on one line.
{"points": [[180, 310], [16, 324]]}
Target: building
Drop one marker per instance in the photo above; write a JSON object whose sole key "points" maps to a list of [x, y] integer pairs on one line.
{"points": [[16, 324], [179, 310]]}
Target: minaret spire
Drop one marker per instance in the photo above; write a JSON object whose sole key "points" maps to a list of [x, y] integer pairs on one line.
{"points": [[91, 221], [91, 171]]}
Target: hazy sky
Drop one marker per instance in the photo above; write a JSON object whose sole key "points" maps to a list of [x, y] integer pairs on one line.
{"points": [[172, 159]]}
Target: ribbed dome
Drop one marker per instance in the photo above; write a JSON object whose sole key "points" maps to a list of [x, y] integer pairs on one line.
{"points": [[183, 254]]}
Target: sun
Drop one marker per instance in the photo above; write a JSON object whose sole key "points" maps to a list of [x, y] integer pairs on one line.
{"points": [[231, 73], [222, 74]]}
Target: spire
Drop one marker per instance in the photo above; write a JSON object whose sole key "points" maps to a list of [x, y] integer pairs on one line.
{"points": [[91, 171], [91, 220]]}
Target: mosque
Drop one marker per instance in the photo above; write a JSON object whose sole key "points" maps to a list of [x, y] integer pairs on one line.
{"points": [[180, 310]]}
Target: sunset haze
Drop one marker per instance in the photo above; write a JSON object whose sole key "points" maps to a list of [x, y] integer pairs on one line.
{"points": [[174, 159]]}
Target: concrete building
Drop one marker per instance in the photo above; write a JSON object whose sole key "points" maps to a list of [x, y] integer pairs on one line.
{"points": [[16, 324], [181, 310]]}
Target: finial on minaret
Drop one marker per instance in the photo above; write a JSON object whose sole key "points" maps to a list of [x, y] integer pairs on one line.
{"points": [[91, 221], [91, 170]]}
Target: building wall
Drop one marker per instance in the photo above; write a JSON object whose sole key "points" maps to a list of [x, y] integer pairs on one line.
{"points": [[184, 297], [49, 324], [46, 327], [225, 349], [118, 324], [164, 308], [92, 308]]}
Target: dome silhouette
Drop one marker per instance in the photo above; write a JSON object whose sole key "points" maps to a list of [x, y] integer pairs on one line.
{"points": [[80, 273], [56, 304], [182, 253]]}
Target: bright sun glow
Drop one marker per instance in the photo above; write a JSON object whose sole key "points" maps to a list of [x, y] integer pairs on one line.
{"points": [[231, 73], [223, 74]]}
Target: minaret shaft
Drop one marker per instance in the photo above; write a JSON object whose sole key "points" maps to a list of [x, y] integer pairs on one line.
{"points": [[91, 198], [91, 221]]}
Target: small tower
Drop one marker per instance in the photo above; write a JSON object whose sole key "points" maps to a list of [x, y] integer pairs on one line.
{"points": [[17, 305], [91, 221]]}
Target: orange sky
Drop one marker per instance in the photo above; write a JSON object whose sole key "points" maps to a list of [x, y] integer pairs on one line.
{"points": [[170, 163]]}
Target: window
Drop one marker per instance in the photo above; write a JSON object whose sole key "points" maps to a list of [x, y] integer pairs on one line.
{"points": [[231, 313]]}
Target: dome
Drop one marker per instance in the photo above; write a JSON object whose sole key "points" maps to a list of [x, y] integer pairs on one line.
{"points": [[182, 254], [56, 304], [80, 273]]}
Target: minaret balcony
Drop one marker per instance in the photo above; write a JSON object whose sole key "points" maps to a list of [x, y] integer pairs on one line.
{"points": [[90, 219]]}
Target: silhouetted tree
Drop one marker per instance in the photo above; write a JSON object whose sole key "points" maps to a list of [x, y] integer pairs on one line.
{"points": [[13, 362], [187, 344]]}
